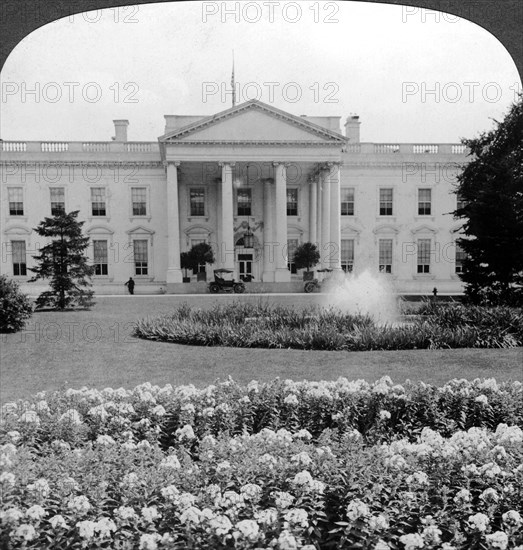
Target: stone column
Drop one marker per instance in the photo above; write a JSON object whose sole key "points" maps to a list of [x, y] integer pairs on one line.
{"points": [[227, 236], [268, 239], [174, 273], [335, 227], [326, 247], [313, 198], [282, 274], [319, 194]]}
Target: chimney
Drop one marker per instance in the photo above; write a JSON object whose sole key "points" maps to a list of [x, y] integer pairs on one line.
{"points": [[120, 130], [352, 129]]}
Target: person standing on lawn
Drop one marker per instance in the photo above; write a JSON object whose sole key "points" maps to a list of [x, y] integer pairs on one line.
{"points": [[130, 285]]}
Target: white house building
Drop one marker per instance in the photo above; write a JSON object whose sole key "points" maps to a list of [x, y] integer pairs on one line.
{"points": [[254, 182]]}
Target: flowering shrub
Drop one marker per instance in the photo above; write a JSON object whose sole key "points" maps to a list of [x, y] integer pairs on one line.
{"points": [[273, 466], [15, 306], [264, 326]]}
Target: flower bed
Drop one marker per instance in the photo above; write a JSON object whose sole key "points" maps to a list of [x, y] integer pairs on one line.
{"points": [[282, 465], [254, 326]]}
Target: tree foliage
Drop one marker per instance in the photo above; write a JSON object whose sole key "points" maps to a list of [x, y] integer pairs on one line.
{"points": [[199, 254], [306, 256], [64, 263], [491, 188], [15, 306]]}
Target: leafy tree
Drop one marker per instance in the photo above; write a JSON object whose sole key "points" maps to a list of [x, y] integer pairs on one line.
{"points": [[491, 187], [64, 263], [306, 255], [185, 262], [15, 306], [201, 253]]}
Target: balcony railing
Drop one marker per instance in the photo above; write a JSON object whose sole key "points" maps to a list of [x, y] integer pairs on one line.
{"points": [[79, 147]]}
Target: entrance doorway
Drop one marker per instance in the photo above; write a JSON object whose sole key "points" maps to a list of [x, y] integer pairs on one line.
{"points": [[245, 266]]}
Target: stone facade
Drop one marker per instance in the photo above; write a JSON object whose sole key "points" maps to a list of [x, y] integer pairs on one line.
{"points": [[250, 173]]}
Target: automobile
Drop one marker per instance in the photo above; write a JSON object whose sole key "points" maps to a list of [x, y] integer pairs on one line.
{"points": [[316, 284], [224, 282]]}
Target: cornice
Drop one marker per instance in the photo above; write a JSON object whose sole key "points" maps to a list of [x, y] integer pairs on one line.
{"points": [[256, 143], [143, 164], [299, 122]]}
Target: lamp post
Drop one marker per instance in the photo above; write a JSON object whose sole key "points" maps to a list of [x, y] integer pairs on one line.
{"points": [[248, 237]]}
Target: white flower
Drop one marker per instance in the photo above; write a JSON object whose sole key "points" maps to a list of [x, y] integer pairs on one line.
{"points": [[40, 486], [419, 478], [105, 440], [302, 478], [291, 400], [230, 499], [267, 516], [125, 513], [412, 541], [286, 541], [251, 491], [149, 542], [378, 522], [499, 539], [248, 528], [302, 459], [223, 466], [462, 496], [482, 399], [8, 478], [478, 522], [25, 531], [80, 504], [385, 415], [58, 521], [171, 462], [130, 480], [99, 411], [72, 416], [86, 529], [11, 515], [297, 516], [303, 434], [489, 495], [170, 493], [186, 500], [221, 525], [191, 515], [382, 545], [35, 512], [512, 518], [268, 460], [14, 435], [432, 534], [105, 526], [159, 411], [357, 509], [283, 499], [185, 433], [150, 513]]}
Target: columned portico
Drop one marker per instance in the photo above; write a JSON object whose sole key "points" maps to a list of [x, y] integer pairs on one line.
{"points": [[313, 205], [226, 248], [174, 273], [335, 229], [268, 239], [281, 274], [326, 248]]}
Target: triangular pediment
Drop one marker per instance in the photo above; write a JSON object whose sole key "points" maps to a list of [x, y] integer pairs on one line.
{"points": [[254, 122]]}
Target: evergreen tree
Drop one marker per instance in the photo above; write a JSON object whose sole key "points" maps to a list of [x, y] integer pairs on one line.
{"points": [[306, 256], [491, 188], [64, 263]]}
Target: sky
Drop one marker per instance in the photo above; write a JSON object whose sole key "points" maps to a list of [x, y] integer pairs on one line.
{"points": [[412, 75]]}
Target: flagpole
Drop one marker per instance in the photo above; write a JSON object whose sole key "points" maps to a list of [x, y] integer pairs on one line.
{"points": [[233, 84]]}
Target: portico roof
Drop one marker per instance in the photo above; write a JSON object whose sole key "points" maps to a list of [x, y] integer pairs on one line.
{"points": [[253, 123]]}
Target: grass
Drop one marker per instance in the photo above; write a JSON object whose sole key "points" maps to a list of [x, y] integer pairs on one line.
{"points": [[95, 348]]}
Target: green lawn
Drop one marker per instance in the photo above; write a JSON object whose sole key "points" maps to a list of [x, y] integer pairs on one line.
{"points": [[94, 348]]}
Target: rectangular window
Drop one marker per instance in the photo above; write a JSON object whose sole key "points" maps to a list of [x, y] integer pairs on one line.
{"points": [[19, 261], [57, 200], [98, 201], [292, 202], [423, 255], [141, 264], [139, 200], [460, 258], [424, 202], [244, 202], [16, 201], [347, 255], [197, 198], [347, 201], [386, 202], [292, 245], [385, 255], [100, 257]]}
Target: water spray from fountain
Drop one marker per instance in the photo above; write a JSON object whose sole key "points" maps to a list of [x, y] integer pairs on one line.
{"points": [[364, 294]]}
